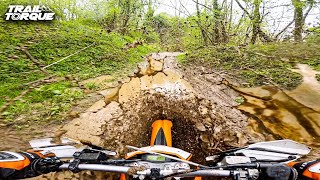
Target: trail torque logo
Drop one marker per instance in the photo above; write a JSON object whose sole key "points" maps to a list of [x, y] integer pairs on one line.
{"points": [[35, 13]]}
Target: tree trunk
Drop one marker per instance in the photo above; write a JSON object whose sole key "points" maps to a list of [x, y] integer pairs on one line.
{"points": [[298, 19], [230, 16], [256, 21], [203, 33]]}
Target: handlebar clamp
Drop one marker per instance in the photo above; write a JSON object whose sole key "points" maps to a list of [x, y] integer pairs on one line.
{"points": [[88, 156], [74, 166]]}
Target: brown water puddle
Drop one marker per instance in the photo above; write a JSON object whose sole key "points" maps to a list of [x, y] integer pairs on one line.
{"points": [[286, 114]]}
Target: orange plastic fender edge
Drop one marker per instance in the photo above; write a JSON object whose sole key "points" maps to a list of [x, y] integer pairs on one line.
{"points": [[166, 126]]}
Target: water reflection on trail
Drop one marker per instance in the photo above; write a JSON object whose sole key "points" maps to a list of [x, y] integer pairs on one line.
{"points": [[286, 114]]}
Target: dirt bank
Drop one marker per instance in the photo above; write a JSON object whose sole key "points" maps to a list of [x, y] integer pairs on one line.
{"points": [[201, 108]]}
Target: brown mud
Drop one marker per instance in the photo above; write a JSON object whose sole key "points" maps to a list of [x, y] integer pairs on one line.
{"points": [[286, 114]]}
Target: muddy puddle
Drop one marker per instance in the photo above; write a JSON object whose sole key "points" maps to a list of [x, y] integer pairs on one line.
{"points": [[291, 114]]}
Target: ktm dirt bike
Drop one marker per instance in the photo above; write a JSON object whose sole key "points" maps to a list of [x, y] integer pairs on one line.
{"points": [[264, 160]]}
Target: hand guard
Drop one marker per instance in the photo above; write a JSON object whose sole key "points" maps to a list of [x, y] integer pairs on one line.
{"points": [[307, 170], [27, 164]]}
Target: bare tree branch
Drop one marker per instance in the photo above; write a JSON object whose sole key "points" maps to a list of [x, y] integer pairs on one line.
{"points": [[284, 29], [311, 2], [244, 9], [202, 5]]}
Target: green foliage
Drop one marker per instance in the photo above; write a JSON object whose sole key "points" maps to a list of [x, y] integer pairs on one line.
{"points": [[182, 58], [253, 68], [239, 100], [91, 86], [258, 64], [50, 42], [46, 101]]}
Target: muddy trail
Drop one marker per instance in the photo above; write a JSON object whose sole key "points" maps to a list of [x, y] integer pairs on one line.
{"points": [[201, 107], [204, 118], [201, 103]]}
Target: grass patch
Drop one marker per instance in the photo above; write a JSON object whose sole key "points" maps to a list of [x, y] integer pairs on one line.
{"points": [[254, 69], [43, 104], [182, 58], [48, 43]]}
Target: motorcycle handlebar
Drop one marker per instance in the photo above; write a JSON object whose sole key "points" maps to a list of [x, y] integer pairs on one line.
{"points": [[125, 169], [99, 167]]}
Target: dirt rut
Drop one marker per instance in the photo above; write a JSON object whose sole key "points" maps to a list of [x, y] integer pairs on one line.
{"points": [[202, 110]]}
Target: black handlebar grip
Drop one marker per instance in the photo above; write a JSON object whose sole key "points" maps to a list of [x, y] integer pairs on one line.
{"points": [[279, 172]]}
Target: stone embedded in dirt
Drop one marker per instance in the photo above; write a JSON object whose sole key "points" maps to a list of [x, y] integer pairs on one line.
{"points": [[110, 94], [146, 82], [150, 66], [242, 140], [204, 138], [170, 85], [74, 114], [96, 106], [159, 80], [129, 90], [90, 126], [156, 66], [173, 76], [144, 68], [200, 126]]}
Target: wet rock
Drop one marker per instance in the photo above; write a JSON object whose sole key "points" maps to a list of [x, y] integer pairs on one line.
{"points": [[110, 94], [97, 106], [129, 90], [146, 82], [156, 66], [200, 126], [74, 114]]}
